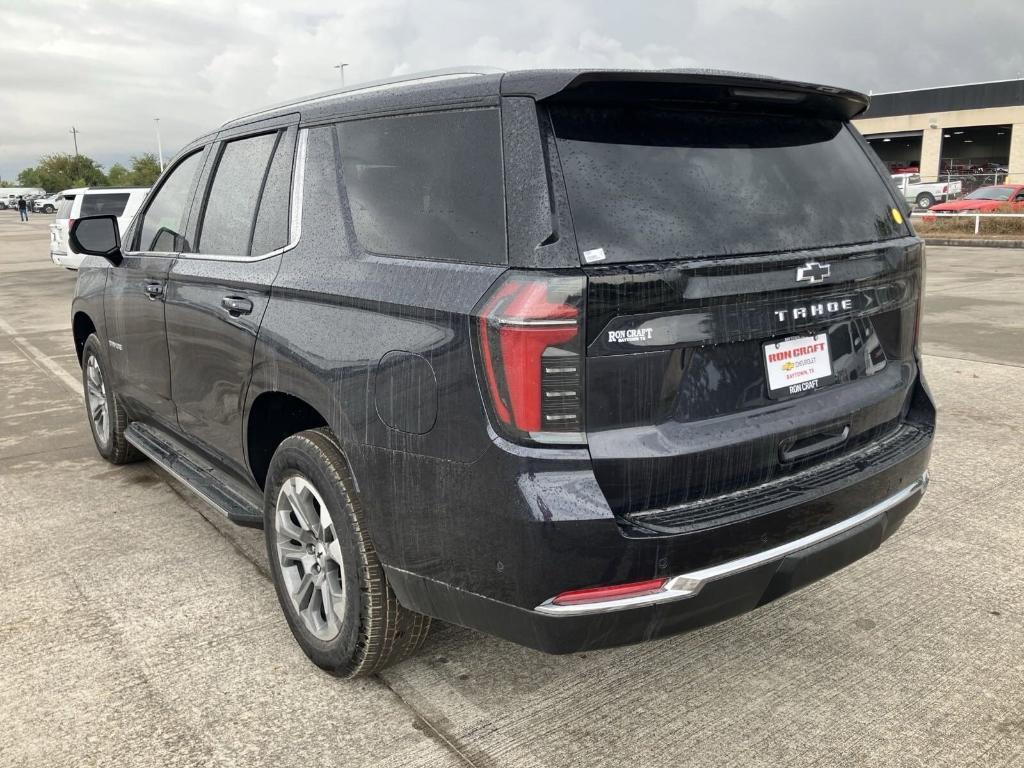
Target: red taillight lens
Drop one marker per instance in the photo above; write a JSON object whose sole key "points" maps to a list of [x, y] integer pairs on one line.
{"points": [[945, 188], [530, 337], [616, 592]]}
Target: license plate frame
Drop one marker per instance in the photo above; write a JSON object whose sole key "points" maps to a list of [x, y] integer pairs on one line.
{"points": [[797, 365]]}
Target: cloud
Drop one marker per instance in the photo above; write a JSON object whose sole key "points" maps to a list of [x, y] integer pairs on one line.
{"points": [[109, 68]]}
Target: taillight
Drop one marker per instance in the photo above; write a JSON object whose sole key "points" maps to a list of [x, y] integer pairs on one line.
{"points": [[945, 188], [530, 340]]}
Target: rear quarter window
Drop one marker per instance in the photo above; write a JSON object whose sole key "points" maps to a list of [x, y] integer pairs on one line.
{"points": [[427, 186], [651, 183], [104, 204], [64, 207]]}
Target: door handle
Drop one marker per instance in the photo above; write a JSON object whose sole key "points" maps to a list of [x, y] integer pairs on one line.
{"points": [[154, 290], [236, 305]]}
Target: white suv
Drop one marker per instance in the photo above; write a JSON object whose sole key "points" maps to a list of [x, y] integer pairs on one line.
{"points": [[123, 202], [46, 204]]}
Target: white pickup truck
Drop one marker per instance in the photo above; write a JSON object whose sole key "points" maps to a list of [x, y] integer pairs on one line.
{"points": [[925, 194]]}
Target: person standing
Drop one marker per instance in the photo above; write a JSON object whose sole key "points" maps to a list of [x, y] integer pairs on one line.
{"points": [[23, 208]]}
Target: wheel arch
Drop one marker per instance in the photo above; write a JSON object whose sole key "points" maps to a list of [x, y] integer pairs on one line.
{"points": [[273, 417], [81, 327]]}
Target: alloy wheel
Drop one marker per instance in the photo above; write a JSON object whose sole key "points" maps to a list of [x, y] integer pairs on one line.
{"points": [[310, 558], [96, 397]]}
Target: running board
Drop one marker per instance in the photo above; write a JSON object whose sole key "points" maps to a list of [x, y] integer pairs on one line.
{"points": [[238, 504]]}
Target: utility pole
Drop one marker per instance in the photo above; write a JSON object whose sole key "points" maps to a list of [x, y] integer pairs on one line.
{"points": [[159, 144], [341, 69], [74, 134]]}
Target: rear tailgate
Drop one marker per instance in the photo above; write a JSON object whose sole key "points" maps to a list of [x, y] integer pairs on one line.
{"points": [[679, 406], [721, 241]]}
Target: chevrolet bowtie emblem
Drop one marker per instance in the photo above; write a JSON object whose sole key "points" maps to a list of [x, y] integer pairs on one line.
{"points": [[812, 272]]}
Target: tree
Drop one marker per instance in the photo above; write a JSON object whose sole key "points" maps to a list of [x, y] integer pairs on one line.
{"points": [[145, 170], [61, 171], [119, 176]]}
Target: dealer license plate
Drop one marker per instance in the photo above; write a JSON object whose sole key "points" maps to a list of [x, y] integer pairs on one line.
{"points": [[797, 365]]}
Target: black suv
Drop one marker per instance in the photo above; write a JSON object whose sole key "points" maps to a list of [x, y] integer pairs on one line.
{"points": [[574, 358]]}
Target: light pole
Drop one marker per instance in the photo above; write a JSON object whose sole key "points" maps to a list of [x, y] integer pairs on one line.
{"points": [[341, 69], [159, 144], [74, 134]]}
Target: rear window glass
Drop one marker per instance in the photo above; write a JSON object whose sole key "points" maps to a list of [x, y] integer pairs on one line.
{"points": [[427, 186], [64, 207], [103, 205], [655, 183]]}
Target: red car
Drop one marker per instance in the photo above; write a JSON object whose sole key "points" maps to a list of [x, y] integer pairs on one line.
{"points": [[985, 200]]}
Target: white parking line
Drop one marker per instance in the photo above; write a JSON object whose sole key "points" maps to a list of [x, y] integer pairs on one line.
{"points": [[41, 359]]}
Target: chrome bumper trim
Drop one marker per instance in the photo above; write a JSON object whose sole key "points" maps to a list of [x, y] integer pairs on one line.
{"points": [[689, 584]]}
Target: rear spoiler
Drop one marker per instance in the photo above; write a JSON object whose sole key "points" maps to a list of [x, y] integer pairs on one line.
{"points": [[699, 87]]}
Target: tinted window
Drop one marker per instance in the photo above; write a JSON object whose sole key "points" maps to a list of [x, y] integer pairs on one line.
{"points": [[234, 195], [427, 186], [104, 205], [271, 230], [163, 225], [651, 183]]}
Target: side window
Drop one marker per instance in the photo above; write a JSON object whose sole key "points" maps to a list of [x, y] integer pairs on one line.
{"points": [[271, 230], [163, 224], [234, 195], [427, 186], [104, 204]]}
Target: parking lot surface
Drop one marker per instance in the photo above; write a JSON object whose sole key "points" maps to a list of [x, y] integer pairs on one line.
{"points": [[139, 628]]}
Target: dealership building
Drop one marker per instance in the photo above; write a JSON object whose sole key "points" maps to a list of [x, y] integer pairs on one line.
{"points": [[957, 129]]}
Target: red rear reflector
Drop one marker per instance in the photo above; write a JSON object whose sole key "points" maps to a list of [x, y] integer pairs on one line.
{"points": [[616, 592]]}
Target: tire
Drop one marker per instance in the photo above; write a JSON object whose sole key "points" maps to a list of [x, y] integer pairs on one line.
{"points": [[925, 200], [329, 581], [48, 209], [106, 416]]}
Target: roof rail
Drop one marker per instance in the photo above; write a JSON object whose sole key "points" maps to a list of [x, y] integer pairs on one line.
{"points": [[375, 85]]}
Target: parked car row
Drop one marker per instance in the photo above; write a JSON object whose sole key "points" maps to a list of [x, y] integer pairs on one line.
{"points": [[9, 195]]}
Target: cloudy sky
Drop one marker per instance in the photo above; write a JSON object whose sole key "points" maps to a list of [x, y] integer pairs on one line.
{"points": [[110, 67]]}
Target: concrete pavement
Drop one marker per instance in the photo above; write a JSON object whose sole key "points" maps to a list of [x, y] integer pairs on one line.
{"points": [[137, 627]]}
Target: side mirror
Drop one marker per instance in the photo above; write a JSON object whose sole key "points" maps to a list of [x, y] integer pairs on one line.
{"points": [[97, 236]]}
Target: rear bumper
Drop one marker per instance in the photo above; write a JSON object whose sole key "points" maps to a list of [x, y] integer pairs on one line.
{"points": [[689, 600], [686, 586]]}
